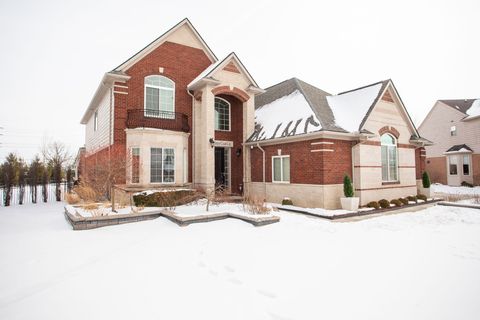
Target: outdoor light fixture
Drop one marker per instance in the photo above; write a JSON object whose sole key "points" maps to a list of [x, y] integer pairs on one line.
{"points": [[212, 142], [239, 152]]}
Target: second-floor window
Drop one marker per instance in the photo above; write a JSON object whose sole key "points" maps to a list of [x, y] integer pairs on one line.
{"points": [[222, 114], [453, 131], [159, 97], [95, 121]]}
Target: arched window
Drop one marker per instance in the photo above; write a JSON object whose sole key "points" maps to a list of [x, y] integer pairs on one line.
{"points": [[389, 158], [222, 114], [159, 97]]}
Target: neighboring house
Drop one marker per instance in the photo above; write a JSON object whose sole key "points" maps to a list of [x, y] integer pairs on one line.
{"points": [[306, 140], [454, 127], [185, 118]]}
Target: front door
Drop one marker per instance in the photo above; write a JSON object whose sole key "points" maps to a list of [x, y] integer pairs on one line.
{"points": [[222, 161]]}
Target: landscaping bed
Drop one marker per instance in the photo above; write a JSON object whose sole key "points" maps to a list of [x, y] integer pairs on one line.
{"points": [[342, 214]]}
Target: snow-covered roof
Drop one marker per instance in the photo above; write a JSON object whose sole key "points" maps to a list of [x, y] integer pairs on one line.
{"points": [[474, 110], [350, 108], [294, 107], [287, 116]]}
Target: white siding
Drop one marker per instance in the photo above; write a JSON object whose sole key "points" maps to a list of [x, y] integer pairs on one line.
{"points": [[436, 128], [95, 140]]}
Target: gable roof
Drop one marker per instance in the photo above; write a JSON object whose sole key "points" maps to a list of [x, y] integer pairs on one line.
{"points": [[283, 111], [460, 148], [352, 108], [461, 105], [210, 70], [296, 107], [160, 40]]}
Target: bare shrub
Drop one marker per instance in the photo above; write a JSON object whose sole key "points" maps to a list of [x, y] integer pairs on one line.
{"points": [[255, 205], [90, 206], [104, 169], [72, 198], [85, 192]]}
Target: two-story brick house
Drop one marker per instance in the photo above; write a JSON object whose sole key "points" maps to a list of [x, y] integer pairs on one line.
{"points": [[186, 118], [454, 127]]}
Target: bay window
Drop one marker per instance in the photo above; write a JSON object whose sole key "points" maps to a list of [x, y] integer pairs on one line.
{"points": [[466, 165], [162, 165], [452, 165]]}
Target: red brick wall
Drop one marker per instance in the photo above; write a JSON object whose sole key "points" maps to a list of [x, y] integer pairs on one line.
{"points": [[236, 135], [476, 169], [419, 162], [437, 169], [181, 64], [307, 167]]}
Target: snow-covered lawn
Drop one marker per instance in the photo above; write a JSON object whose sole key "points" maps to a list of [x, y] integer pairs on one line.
{"points": [[422, 265], [440, 188]]}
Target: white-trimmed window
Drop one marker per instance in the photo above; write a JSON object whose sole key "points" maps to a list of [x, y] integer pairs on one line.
{"points": [[159, 97], [135, 165], [222, 114], [95, 121], [466, 165], [452, 165], [453, 131], [389, 158], [281, 169], [162, 165]]}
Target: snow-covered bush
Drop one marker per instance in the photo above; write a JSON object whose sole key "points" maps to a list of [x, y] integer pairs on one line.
{"points": [[287, 202], [384, 203], [412, 198], [164, 198], [373, 204], [396, 202], [422, 197], [403, 200]]}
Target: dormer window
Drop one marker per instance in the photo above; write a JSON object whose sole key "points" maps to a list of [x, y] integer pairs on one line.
{"points": [[159, 97], [453, 131]]}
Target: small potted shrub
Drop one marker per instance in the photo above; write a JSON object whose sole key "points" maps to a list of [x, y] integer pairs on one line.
{"points": [[425, 188], [350, 202]]}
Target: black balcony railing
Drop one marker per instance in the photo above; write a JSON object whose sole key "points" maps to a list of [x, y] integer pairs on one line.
{"points": [[148, 118]]}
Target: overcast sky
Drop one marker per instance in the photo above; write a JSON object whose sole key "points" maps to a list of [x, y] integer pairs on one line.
{"points": [[54, 53]]}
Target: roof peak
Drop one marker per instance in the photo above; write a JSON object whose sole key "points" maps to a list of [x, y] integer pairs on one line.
{"points": [[366, 86]]}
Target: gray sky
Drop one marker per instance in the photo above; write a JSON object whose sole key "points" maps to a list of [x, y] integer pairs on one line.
{"points": [[54, 53]]}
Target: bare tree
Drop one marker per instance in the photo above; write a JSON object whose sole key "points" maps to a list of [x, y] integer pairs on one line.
{"points": [[104, 169], [57, 154]]}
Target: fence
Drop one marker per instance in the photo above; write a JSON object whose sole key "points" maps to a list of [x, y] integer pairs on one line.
{"points": [[29, 190]]}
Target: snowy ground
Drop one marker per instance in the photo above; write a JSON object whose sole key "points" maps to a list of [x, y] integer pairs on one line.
{"points": [[422, 265], [440, 188]]}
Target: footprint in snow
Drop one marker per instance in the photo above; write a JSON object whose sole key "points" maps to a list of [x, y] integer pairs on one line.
{"points": [[235, 281], [267, 294], [229, 269], [278, 317]]}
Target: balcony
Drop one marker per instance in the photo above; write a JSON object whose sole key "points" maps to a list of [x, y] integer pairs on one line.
{"points": [[147, 118]]}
